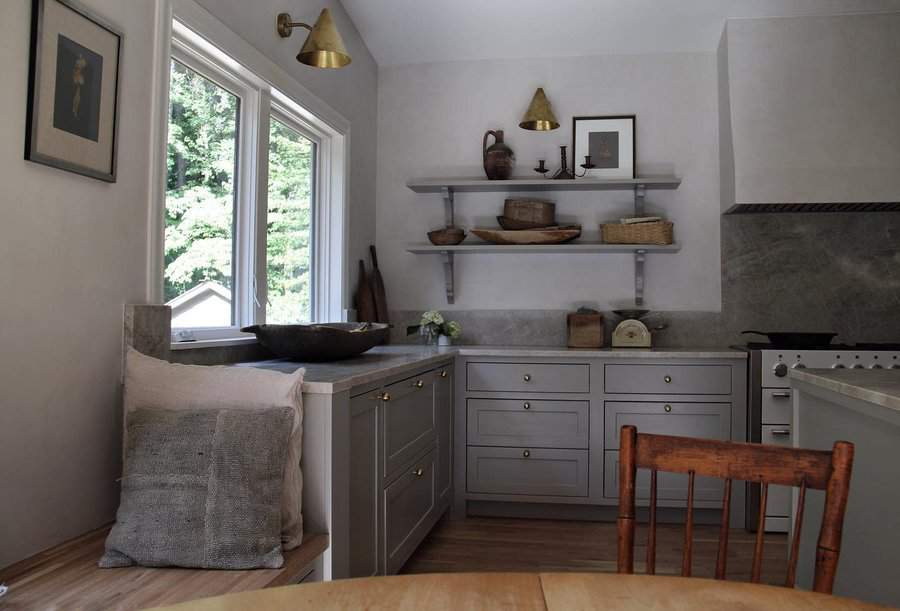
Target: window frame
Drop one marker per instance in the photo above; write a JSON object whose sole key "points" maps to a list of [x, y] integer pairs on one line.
{"points": [[184, 26]]}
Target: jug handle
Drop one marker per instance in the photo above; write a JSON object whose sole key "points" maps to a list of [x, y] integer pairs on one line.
{"points": [[489, 132]]}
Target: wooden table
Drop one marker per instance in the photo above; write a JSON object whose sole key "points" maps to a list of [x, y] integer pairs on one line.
{"points": [[538, 591]]}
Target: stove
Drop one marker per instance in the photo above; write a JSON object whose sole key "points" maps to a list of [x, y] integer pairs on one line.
{"points": [[770, 405]]}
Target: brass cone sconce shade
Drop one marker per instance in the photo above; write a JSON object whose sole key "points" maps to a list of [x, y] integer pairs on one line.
{"points": [[539, 116], [324, 47]]}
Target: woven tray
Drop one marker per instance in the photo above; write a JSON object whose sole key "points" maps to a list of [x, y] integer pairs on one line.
{"points": [[660, 232]]}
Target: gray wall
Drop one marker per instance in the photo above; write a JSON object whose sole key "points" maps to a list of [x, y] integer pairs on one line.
{"points": [[813, 105], [73, 251]]}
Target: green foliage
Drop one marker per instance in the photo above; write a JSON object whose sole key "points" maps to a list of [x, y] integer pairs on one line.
{"points": [[201, 164]]}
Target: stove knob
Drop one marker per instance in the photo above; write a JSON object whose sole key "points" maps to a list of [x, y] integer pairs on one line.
{"points": [[798, 366], [780, 370], [838, 366]]}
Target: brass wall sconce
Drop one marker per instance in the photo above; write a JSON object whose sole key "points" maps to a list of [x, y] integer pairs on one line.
{"points": [[539, 116], [324, 47]]}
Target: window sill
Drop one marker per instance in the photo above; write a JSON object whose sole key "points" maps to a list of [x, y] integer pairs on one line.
{"points": [[214, 343]]}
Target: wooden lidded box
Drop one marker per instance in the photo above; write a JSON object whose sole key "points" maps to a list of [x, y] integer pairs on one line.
{"points": [[585, 329]]}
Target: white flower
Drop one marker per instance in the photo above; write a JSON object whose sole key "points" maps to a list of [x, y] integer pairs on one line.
{"points": [[453, 329], [432, 316]]}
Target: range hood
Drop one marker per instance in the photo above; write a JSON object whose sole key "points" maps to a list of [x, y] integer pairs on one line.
{"points": [[808, 114]]}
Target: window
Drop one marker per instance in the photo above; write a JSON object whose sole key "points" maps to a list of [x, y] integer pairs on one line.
{"points": [[253, 211]]}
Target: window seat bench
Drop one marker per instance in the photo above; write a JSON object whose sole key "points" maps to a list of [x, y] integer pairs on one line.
{"points": [[67, 577]]}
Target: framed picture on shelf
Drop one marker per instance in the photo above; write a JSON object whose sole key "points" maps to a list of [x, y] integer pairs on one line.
{"points": [[73, 87], [609, 141]]}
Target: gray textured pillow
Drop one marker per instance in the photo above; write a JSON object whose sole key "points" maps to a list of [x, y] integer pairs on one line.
{"points": [[201, 489]]}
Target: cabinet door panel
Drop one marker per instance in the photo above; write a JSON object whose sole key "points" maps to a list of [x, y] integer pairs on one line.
{"points": [[443, 401], [529, 377], [703, 420], [668, 379], [408, 511], [528, 422], [409, 421], [527, 471]]}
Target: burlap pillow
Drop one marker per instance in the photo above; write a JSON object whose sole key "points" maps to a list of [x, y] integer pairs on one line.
{"points": [[201, 489], [156, 384]]}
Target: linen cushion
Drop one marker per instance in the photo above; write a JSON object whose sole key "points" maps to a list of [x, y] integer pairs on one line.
{"points": [[152, 383], [201, 489]]}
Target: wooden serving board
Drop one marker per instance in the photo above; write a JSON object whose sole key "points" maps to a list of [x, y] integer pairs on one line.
{"points": [[548, 235]]}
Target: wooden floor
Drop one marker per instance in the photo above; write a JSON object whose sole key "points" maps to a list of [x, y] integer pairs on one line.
{"points": [[501, 544]]}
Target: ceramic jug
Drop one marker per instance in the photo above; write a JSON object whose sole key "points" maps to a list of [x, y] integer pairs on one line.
{"points": [[499, 159]]}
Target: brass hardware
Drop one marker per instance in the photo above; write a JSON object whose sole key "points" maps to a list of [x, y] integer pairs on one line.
{"points": [[324, 47], [539, 116], [668, 379], [526, 377], [386, 396], [526, 453], [443, 373], [418, 472], [668, 408], [527, 405], [419, 384]]}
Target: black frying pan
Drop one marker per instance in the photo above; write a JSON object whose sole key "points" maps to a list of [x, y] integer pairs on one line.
{"points": [[796, 340]]}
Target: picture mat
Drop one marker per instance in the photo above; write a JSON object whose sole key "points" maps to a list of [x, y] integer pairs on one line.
{"points": [[625, 127]]}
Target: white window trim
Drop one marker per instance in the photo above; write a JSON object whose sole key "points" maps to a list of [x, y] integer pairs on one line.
{"points": [[178, 20]]}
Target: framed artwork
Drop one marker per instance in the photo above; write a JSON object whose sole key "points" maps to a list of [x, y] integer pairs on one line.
{"points": [[73, 87], [610, 143]]}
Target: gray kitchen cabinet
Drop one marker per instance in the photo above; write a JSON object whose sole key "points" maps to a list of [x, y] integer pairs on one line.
{"points": [[443, 405], [527, 471], [400, 467], [704, 420], [529, 377], [668, 379], [538, 423], [409, 503]]}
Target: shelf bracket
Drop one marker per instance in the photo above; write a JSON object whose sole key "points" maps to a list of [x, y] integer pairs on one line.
{"points": [[447, 256], [640, 191], [447, 194], [639, 258]]}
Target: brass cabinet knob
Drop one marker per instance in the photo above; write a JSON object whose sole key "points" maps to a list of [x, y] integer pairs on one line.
{"points": [[526, 453], [386, 396], [527, 405], [526, 377], [418, 472], [444, 373], [668, 379], [668, 408], [419, 384]]}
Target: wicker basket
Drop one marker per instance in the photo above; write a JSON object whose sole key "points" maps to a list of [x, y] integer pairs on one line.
{"points": [[659, 232]]}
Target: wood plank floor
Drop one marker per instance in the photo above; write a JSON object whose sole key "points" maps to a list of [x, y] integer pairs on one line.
{"points": [[505, 544]]}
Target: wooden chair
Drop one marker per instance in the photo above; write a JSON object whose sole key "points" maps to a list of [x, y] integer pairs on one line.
{"points": [[751, 462]]}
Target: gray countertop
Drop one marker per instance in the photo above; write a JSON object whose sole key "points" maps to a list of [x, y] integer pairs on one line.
{"points": [[878, 386], [386, 361]]}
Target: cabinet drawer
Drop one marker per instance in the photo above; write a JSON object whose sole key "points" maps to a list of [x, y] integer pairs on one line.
{"points": [[779, 497], [668, 379], [704, 420], [669, 486], [408, 504], [528, 377], [777, 407], [527, 471], [409, 421], [531, 423]]}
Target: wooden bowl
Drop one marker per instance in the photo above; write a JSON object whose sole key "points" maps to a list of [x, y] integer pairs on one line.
{"points": [[530, 210], [323, 342], [515, 224], [449, 236]]}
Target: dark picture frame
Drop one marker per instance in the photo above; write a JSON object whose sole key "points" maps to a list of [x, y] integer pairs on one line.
{"points": [[72, 117], [612, 143]]}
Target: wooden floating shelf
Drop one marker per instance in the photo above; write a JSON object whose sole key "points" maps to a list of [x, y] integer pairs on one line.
{"points": [[476, 185], [549, 249]]}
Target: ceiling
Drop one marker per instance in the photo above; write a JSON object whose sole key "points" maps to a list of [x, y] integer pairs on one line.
{"points": [[422, 31]]}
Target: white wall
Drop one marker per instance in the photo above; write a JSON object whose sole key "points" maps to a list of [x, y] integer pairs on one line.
{"points": [[431, 118], [351, 91], [814, 108], [73, 252]]}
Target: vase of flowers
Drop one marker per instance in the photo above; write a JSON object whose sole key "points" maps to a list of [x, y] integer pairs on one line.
{"points": [[435, 330]]}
